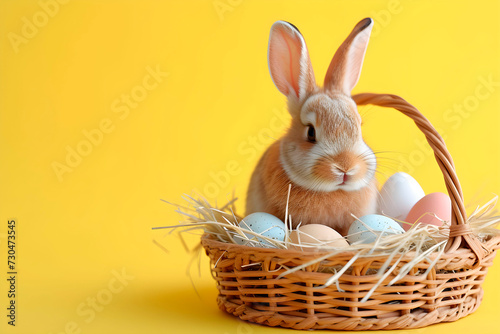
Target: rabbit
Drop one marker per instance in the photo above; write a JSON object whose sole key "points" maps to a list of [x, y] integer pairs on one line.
{"points": [[323, 155]]}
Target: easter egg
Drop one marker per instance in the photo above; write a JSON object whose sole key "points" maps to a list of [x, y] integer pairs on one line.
{"points": [[431, 209], [264, 224], [361, 229], [316, 236], [398, 195]]}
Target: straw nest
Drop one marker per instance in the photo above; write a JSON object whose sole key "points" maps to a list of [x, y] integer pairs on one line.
{"points": [[426, 243]]}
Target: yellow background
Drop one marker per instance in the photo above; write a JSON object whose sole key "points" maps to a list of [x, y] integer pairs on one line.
{"points": [[213, 115]]}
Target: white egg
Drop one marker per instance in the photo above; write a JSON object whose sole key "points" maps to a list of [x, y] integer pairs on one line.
{"points": [[264, 224], [398, 195], [368, 228]]}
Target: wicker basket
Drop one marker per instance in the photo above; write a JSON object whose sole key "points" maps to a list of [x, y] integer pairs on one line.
{"points": [[249, 287]]}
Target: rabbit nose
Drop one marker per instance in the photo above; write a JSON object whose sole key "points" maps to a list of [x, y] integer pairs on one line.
{"points": [[345, 177]]}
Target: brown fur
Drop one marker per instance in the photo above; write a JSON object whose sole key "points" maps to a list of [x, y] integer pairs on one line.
{"points": [[305, 206], [339, 161]]}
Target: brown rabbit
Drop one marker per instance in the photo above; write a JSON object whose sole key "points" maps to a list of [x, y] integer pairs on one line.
{"points": [[323, 155]]}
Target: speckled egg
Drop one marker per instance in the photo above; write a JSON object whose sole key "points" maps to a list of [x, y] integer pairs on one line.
{"points": [[264, 224], [313, 237], [361, 229]]}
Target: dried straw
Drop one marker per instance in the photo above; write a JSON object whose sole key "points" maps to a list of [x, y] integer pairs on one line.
{"points": [[421, 240]]}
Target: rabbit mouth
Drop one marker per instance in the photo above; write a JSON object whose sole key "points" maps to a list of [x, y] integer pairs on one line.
{"points": [[344, 181], [327, 179], [345, 178], [342, 169], [346, 171]]}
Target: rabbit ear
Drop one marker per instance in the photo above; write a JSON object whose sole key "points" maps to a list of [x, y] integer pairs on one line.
{"points": [[289, 62], [345, 68]]}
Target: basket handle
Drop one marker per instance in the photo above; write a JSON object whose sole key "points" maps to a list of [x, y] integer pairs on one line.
{"points": [[460, 232]]}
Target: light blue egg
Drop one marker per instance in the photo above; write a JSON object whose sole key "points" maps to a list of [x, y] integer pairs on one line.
{"points": [[264, 224], [359, 232]]}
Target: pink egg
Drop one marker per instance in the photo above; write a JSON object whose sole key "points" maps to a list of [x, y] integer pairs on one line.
{"points": [[426, 210]]}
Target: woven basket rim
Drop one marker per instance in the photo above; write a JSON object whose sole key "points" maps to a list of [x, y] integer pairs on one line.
{"points": [[491, 244]]}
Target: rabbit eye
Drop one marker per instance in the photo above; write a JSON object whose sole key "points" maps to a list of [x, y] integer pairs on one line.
{"points": [[311, 134]]}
